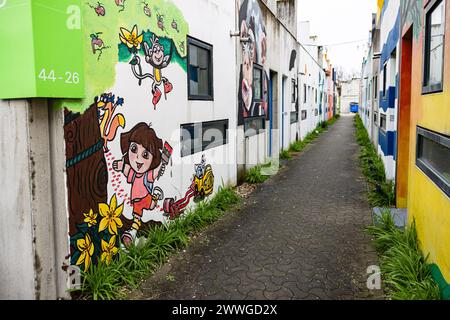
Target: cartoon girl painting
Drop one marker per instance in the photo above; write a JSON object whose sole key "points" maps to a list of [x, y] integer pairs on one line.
{"points": [[142, 166]]}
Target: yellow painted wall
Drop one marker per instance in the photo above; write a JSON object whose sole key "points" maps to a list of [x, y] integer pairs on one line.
{"points": [[427, 203], [380, 4]]}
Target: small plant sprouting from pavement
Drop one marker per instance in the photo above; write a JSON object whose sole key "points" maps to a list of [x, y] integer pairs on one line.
{"points": [[381, 191], [109, 281], [405, 270], [285, 155], [254, 176], [170, 278]]}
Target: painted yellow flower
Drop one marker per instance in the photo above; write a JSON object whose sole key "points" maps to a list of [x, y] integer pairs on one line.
{"points": [[109, 250], [86, 247], [111, 216], [131, 39], [90, 218]]}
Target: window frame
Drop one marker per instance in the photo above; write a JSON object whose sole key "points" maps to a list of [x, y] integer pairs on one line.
{"points": [[294, 91], [385, 79], [383, 116], [304, 93], [293, 117], [429, 171], [261, 130], [210, 48], [203, 148], [435, 88], [305, 113], [375, 89], [260, 68]]}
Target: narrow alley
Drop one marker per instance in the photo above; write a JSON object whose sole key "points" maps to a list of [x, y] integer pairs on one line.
{"points": [[138, 151], [299, 236]]}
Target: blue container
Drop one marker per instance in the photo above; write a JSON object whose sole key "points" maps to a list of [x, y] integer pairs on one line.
{"points": [[354, 107]]}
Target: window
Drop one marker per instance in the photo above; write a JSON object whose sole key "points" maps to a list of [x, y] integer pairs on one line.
{"points": [[375, 118], [257, 83], [433, 154], [383, 122], [200, 71], [294, 92], [201, 136], [254, 125], [384, 79], [294, 117], [315, 99], [434, 47], [309, 94], [304, 93], [304, 114], [375, 89]]}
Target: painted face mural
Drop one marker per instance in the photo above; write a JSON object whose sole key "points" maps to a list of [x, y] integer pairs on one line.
{"points": [[253, 89], [121, 179]]}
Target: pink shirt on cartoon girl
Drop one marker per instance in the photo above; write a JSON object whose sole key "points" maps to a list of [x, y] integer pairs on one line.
{"points": [[138, 189]]}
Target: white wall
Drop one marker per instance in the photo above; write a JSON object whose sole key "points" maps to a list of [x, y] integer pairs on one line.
{"points": [[33, 232], [350, 93]]}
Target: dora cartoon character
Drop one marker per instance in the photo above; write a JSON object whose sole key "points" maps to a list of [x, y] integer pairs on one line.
{"points": [[142, 166]]}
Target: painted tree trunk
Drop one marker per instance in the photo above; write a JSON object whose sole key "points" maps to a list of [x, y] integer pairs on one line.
{"points": [[87, 174]]}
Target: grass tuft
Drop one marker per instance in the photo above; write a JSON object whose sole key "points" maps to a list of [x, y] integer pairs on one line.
{"points": [[109, 281], [406, 273], [254, 176], [381, 191], [285, 155]]}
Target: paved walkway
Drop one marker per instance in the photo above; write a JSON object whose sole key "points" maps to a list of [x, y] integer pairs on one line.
{"points": [[299, 236]]}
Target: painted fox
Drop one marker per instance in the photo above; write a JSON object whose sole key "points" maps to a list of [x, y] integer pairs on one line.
{"points": [[109, 124]]}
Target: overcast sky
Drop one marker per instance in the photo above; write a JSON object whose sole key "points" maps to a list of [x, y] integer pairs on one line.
{"points": [[340, 21]]}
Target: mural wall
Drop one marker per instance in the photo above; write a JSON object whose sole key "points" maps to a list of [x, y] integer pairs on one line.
{"points": [[120, 144], [252, 103], [389, 67]]}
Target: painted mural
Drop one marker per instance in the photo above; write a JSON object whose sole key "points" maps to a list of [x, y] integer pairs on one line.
{"points": [[254, 51], [411, 11], [121, 178]]}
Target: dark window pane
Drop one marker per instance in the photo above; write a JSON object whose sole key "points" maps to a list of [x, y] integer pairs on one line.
{"points": [[435, 156], [198, 137], [253, 126], [304, 114], [383, 122], [294, 117], [200, 75], [214, 134], [257, 83], [435, 45]]}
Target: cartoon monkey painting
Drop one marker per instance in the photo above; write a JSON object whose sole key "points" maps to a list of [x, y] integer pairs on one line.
{"points": [[155, 56]]}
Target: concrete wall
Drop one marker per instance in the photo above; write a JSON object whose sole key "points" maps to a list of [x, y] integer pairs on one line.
{"points": [[313, 77], [350, 93], [34, 225], [280, 44]]}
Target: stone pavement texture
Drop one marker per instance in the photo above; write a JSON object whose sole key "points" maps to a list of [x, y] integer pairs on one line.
{"points": [[298, 236]]}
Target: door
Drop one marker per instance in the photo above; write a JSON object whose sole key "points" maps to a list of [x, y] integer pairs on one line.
{"points": [[270, 114], [404, 121], [273, 113]]}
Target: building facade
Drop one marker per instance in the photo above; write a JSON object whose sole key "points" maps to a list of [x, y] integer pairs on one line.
{"points": [[414, 118], [166, 111], [350, 94]]}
